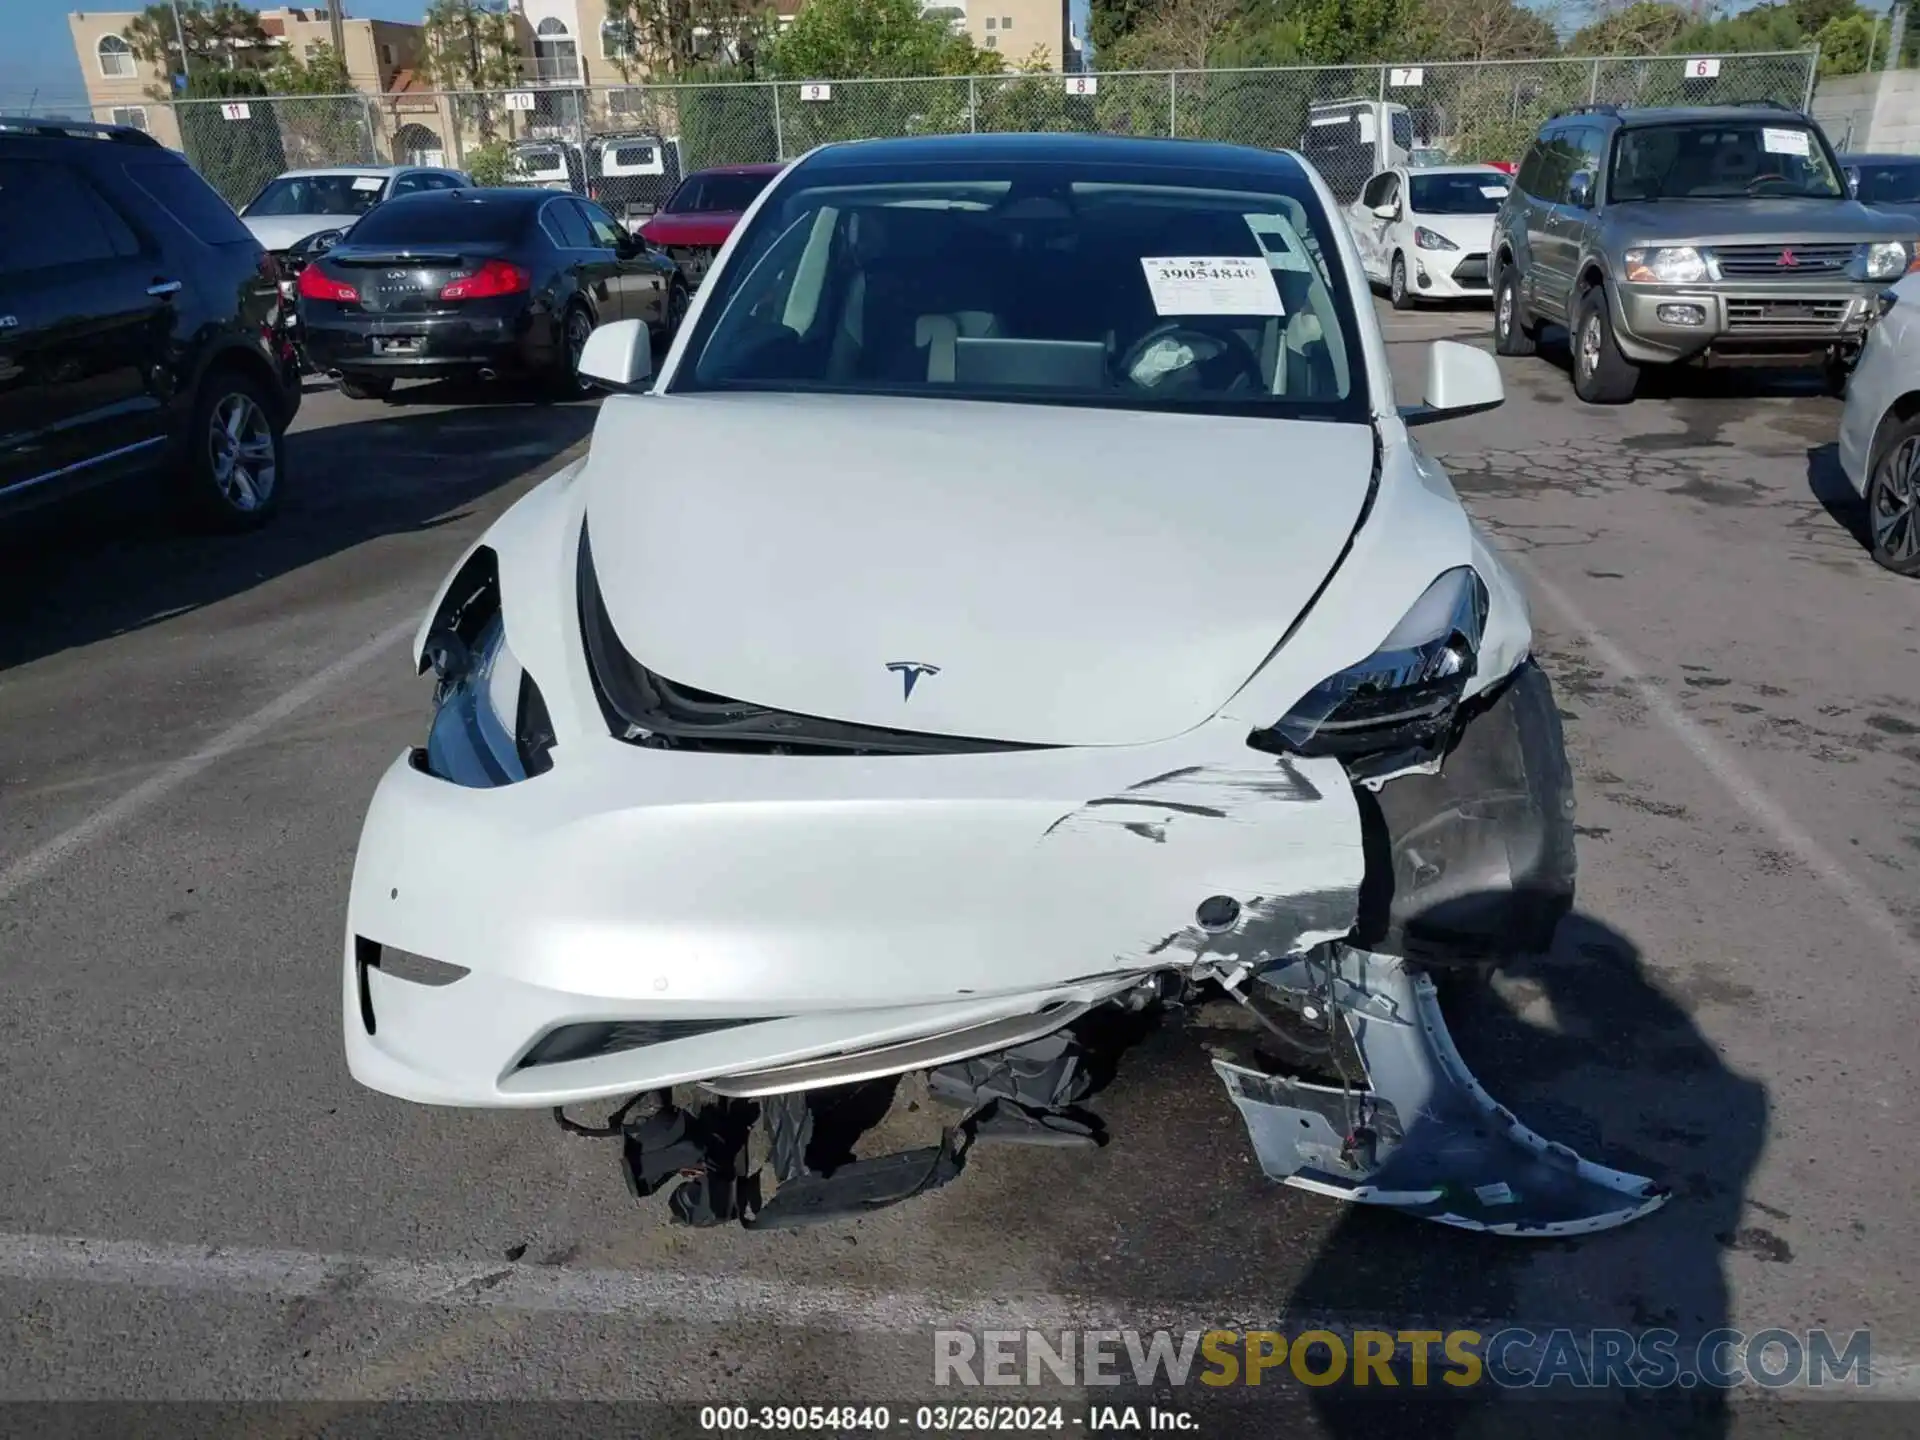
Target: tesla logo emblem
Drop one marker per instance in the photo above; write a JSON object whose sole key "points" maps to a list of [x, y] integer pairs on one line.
{"points": [[1789, 259], [910, 673]]}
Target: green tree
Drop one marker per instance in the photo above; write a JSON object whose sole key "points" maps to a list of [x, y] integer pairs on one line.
{"points": [[671, 38], [322, 121], [836, 39], [221, 39], [472, 45], [1346, 32], [1646, 27], [724, 123]]}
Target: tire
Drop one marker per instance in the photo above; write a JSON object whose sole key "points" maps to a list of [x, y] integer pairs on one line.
{"points": [[1510, 333], [1601, 374], [1397, 289], [375, 389], [1893, 502], [566, 382], [1833, 378], [236, 459], [677, 302]]}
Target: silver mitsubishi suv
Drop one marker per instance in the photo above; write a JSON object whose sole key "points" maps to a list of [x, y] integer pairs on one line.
{"points": [[1714, 236]]}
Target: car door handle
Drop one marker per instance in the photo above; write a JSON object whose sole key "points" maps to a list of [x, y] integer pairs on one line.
{"points": [[164, 287]]}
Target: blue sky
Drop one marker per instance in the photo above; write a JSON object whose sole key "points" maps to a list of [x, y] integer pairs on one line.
{"points": [[36, 51]]}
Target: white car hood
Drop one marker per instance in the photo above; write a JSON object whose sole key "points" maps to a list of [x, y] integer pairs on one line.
{"points": [[1077, 576], [1472, 233], [280, 232]]}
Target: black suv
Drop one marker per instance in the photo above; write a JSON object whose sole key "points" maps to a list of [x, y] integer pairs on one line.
{"points": [[1715, 235], [141, 328]]}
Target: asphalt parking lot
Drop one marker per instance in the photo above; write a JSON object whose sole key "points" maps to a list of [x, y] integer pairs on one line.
{"points": [[198, 1204]]}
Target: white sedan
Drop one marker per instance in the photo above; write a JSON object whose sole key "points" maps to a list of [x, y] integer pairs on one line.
{"points": [[1880, 429], [1017, 593], [1425, 232]]}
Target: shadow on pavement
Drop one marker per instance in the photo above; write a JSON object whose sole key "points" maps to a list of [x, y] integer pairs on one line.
{"points": [[1830, 486], [117, 559], [1590, 1051]]}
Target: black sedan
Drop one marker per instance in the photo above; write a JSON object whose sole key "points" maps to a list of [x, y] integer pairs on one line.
{"points": [[1886, 182], [478, 283]]}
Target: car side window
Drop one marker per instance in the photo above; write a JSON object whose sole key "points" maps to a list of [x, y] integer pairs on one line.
{"points": [[1391, 195], [442, 182], [1556, 166], [564, 223], [51, 217], [1528, 176], [600, 225], [407, 185], [1590, 142]]}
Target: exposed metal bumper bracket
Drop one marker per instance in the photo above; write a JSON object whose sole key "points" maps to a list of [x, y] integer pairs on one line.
{"points": [[1418, 1133]]}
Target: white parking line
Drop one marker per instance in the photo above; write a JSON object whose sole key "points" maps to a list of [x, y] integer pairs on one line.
{"points": [[1740, 787], [680, 1298], [36, 863]]}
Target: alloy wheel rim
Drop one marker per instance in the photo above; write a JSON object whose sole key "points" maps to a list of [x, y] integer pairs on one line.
{"points": [[1590, 345], [1503, 316], [1896, 528], [240, 446], [1399, 278]]}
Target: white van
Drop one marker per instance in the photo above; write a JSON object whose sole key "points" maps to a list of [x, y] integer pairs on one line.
{"points": [[1350, 141]]}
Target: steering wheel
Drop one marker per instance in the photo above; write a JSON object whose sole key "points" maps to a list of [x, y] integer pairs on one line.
{"points": [[1218, 357], [1763, 179]]}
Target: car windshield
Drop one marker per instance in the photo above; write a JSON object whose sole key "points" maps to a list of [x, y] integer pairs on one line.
{"points": [[716, 194], [1476, 192], [1047, 283], [318, 195], [1893, 184], [450, 217], [1722, 159]]}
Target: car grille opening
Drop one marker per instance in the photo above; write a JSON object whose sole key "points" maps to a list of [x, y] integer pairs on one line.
{"points": [[1786, 314], [1471, 271], [612, 1037], [1782, 262], [645, 708], [693, 260]]}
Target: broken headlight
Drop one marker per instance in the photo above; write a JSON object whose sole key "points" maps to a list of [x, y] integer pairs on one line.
{"points": [[490, 723], [1404, 695]]}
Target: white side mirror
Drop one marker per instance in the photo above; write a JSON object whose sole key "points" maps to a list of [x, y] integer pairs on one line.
{"points": [[619, 357], [1461, 380], [1386, 212]]}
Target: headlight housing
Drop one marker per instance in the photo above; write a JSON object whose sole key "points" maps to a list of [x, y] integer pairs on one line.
{"points": [[1427, 239], [1405, 695], [490, 725], [1669, 265], [1888, 258]]}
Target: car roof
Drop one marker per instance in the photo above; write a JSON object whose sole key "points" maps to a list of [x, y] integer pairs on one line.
{"points": [[1477, 168], [752, 169], [1872, 157], [522, 195], [354, 170], [1111, 150], [1685, 114]]}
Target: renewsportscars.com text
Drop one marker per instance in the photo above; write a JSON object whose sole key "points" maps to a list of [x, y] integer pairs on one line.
{"points": [[1512, 1357]]}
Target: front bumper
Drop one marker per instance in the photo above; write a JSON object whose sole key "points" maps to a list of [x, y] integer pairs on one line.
{"points": [[437, 346], [713, 917], [1744, 322], [1450, 274]]}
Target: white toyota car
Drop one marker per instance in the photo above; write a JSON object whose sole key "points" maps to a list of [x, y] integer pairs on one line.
{"points": [[1880, 430], [1424, 232], [1016, 594]]}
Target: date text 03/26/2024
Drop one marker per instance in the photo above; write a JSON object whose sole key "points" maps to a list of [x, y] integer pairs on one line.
{"points": [[945, 1419]]}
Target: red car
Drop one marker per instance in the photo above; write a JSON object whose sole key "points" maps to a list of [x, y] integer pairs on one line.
{"points": [[1506, 165], [700, 214]]}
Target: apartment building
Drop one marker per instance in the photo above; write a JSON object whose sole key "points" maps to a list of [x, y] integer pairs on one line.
{"points": [[122, 88]]}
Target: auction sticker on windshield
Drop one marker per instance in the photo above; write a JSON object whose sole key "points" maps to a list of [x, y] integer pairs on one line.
{"points": [[1494, 192], [1784, 142], [1211, 285], [368, 182]]}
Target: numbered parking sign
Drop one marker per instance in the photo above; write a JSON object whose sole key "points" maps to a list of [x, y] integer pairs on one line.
{"points": [[236, 110], [1406, 79], [520, 100], [819, 90], [1703, 69], [1083, 85]]}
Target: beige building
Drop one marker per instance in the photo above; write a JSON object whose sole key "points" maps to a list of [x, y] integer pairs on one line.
{"points": [[380, 57]]}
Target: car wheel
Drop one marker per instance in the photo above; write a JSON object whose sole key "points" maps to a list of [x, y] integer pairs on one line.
{"points": [[1397, 284], [1893, 503], [1601, 374], [574, 331], [1510, 333], [375, 389], [236, 453], [677, 302]]}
